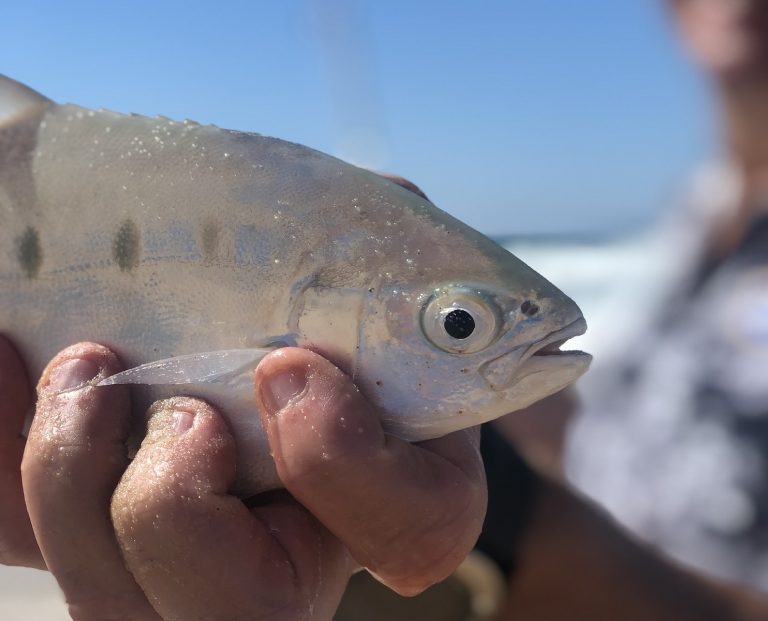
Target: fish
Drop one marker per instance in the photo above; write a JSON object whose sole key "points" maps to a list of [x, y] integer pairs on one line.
{"points": [[193, 251]]}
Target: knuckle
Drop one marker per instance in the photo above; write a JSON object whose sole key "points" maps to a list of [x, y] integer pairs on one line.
{"points": [[54, 442], [15, 556], [312, 469], [50, 461], [151, 507], [349, 447], [419, 557], [139, 501]]}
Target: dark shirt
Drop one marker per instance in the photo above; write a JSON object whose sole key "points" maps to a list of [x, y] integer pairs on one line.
{"points": [[673, 435]]}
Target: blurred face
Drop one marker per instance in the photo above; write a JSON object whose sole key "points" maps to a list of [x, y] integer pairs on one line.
{"points": [[728, 38]]}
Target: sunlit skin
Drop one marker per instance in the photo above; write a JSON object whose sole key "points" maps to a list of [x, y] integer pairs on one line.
{"points": [[728, 40], [161, 538]]}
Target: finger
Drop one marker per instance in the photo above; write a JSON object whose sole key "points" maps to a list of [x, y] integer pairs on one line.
{"points": [[199, 553], [74, 458], [17, 541], [410, 514]]}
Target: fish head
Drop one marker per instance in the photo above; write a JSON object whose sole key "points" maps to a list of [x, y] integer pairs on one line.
{"points": [[439, 326], [442, 356]]}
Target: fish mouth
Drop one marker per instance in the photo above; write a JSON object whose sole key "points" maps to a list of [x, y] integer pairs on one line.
{"points": [[543, 356], [551, 344]]}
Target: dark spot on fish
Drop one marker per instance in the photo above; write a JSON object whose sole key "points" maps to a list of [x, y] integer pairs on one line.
{"points": [[378, 383], [29, 253], [125, 247], [529, 309], [465, 370], [209, 240]]}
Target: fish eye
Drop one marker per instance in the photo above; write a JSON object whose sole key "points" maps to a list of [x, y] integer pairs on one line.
{"points": [[459, 324], [460, 320]]}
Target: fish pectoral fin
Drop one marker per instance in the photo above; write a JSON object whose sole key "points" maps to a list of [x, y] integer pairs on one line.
{"points": [[212, 367]]}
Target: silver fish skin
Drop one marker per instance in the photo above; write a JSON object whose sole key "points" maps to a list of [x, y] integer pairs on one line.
{"points": [[165, 239]]}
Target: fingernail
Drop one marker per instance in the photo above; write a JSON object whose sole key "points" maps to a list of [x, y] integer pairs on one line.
{"points": [[182, 421], [168, 418], [72, 373], [279, 390]]}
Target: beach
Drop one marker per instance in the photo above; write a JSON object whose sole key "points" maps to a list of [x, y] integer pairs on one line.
{"points": [[30, 594]]}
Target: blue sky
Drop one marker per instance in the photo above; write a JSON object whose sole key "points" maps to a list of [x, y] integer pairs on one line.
{"points": [[517, 117]]}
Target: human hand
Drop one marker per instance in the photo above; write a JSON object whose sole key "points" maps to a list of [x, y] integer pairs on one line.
{"points": [[177, 540], [17, 541]]}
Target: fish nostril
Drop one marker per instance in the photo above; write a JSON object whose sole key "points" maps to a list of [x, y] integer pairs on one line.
{"points": [[528, 308]]}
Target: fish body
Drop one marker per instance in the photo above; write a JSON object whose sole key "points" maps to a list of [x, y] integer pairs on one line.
{"points": [[165, 239]]}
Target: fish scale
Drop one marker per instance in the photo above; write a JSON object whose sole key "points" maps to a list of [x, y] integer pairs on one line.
{"points": [[187, 248]]}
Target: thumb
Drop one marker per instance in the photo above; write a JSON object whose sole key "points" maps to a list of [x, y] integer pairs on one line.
{"points": [[408, 513]]}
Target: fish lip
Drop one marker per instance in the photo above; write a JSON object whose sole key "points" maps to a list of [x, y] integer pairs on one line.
{"points": [[573, 329], [500, 376]]}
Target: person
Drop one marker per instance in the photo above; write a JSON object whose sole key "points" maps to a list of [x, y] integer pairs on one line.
{"points": [[673, 432], [160, 538]]}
